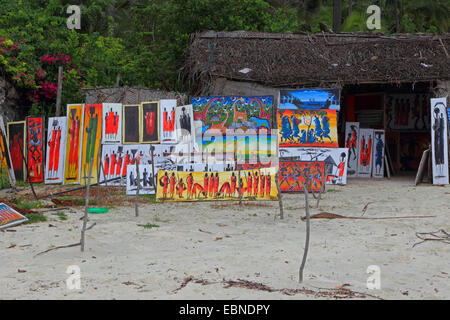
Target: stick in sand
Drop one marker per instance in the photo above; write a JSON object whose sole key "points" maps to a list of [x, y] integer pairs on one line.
{"points": [[99, 191], [280, 201], [28, 173], [306, 192], [83, 230], [138, 183]]}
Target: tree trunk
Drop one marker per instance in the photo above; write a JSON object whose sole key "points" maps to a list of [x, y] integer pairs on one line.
{"points": [[337, 15]]}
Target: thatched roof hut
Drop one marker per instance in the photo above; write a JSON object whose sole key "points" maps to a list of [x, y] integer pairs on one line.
{"points": [[321, 60]]}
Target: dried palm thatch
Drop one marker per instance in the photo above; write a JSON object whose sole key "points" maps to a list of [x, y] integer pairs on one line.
{"points": [[294, 60]]}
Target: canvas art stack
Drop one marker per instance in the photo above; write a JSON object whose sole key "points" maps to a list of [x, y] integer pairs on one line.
{"points": [[308, 139]]}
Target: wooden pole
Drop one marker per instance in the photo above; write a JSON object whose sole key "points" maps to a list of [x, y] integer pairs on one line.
{"points": [[99, 160], [28, 173], [322, 187], [280, 201], [153, 168], [86, 207], [58, 93], [305, 252], [138, 183]]}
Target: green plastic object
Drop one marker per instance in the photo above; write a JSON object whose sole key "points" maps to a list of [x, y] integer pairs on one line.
{"points": [[97, 210]]}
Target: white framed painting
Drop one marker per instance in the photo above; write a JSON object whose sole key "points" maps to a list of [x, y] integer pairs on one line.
{"points": [[56, 150], [112, 123], [439, 140]]}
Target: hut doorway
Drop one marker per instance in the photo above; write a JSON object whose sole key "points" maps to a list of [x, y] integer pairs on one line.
{"points": [[403, 111]]}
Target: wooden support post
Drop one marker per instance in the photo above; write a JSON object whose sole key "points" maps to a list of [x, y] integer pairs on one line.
{"points": [[99, 191], [28, 173], [59, 92], [386, 164], [138, 183], [280, 200], [86, 207], [305, 252]]}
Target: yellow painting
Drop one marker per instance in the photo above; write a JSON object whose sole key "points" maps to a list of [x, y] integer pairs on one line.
{"points": [[73, 144], [256, 184], [92, 137]]}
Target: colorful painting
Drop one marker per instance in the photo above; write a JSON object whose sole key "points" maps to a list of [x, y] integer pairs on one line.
{"points": [[408, 111], [378, 154], [365, 157], [253, 165], [292, 175], [112, 123], [35, 148], [56, 147], [75, 117], [116, 158], [7, 176], [10, 217], [335, 160], [307, 128], [92, 136], [167, 120], [310, 99], [249, 115], [131, 123], [204, 186], [146, 180], [184, 118], [439, 140], [17, 148], [351, 143], [246, 148], [149, 122]]}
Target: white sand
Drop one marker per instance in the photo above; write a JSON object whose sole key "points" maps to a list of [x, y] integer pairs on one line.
{"points": [[254, 246]]}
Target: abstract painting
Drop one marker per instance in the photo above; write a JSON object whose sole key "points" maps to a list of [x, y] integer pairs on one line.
{"points": [[10, 217], [204, 186], [249, 115], [307, 128], [335, 160], [92, 136], [17, 148], [351, 143], [378, 154], [310, 99], [439, 140], [75, 116], [167, 120], [184, 118], [35, 148], [131, 123], [7, 176], [365, 156], [56, 149], [292, 175], [146, 180], [149, 122], [112, 123]]}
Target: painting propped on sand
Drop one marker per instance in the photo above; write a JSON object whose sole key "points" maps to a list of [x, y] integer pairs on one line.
{"points": [[335, 158], [378, 154], [7, 171], [112, 123], [365, 158], [439, 140], [35, 148], [203, 186], [75, 117], [17, 134], [292, 175], [56, 146], [351, 142]]}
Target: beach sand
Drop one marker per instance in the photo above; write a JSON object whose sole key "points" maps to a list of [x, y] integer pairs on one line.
{"points": [[214, 242]]}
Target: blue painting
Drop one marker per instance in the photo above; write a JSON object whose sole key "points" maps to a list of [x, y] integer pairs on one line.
{"points": [[310, 99]]}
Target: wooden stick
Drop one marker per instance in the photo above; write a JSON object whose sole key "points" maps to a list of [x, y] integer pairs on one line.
{"points": [[59, 92], [305, 252], [28, 173], [322, 188], [138, 182], [280, 201], [99, 191], [386, 164], [86, 208]]}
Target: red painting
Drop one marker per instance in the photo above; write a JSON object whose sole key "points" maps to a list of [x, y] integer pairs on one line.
{"points": [[292, 175], [35, 148]]}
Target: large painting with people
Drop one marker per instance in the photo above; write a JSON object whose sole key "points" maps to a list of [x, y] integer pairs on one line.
{"points": [[17, 148], [56, 146], [35, 148], [307, 128]]}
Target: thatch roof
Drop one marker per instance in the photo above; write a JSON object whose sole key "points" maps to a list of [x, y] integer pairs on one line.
{"points": [[294, 60]]}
